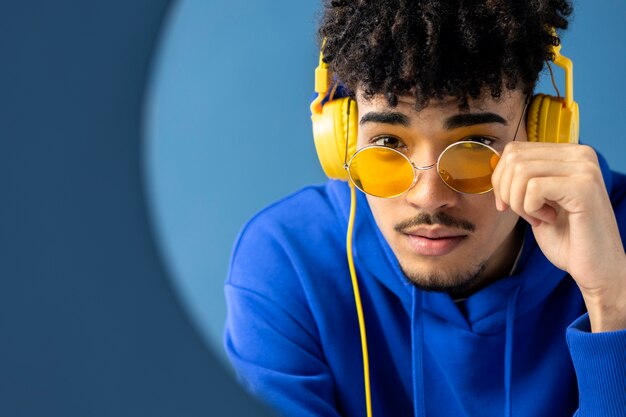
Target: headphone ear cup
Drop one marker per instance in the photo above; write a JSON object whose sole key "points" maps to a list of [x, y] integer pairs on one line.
{"points": [[336, 124], [532, 119], [549, 120]]}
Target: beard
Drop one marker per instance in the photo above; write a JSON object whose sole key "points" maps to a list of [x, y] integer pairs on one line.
{"points": [[458, 284]]}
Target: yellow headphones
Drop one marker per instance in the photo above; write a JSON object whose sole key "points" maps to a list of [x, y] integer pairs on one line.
{"points": [[549, 119]]}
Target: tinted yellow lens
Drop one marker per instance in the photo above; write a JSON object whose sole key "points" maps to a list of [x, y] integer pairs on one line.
{"points": [[381, 171], [467, 167]]}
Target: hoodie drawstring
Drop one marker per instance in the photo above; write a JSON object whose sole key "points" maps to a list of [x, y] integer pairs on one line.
{"points": [[417, 354], [508, 350]]}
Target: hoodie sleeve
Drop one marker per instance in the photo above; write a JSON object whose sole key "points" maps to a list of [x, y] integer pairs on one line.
{"points": [[600, 363], [271, 336]]}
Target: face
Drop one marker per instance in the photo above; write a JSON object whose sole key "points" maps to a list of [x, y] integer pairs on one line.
{"points": [[444, 240]]}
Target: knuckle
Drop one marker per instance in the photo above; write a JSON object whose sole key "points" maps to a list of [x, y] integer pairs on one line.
{"points": [[511, 154], [495, 182], [533, 186], [587, 153], [587, 182], [591, 170], [519, 169]]}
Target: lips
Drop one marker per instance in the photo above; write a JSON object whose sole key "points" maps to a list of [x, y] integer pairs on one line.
{"points": [[434, 242]]}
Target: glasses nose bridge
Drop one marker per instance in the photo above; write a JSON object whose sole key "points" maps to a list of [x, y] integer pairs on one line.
{"points": [[423, 167], [417, 172], [418, 168]]}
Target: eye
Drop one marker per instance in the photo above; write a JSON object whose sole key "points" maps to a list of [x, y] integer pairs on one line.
{"points": [[388, 141], [481, 139]]}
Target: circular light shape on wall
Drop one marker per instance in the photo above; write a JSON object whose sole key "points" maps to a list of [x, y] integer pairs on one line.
{"points": [[226, 116]]}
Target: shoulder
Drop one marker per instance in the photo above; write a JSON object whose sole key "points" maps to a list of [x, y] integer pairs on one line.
{"points": [[292, 211], [287, 257], [306, 227], [301, 215]]}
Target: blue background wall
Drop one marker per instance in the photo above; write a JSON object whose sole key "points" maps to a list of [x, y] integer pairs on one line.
{"points": [[135, 139], [89, 325], [227, 131]]}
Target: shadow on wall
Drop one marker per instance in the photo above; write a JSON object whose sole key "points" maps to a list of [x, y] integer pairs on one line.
{"points": [[89, 324]]}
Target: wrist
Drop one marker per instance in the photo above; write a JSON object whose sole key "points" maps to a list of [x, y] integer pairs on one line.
{"points": [[606, 313]]}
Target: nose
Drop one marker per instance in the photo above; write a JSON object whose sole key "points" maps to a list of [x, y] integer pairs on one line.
{"points": [[429, 192]]}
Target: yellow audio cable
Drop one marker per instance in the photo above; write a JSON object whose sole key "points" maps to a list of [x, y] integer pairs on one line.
{"points": [[357, 300]]}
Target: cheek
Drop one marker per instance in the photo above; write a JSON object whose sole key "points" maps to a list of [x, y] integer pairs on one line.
{"points": [[481, 210], [497, 225], [384, 212]]}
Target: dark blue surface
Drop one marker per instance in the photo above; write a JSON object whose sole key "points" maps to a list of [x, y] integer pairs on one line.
{"points": [[89, 325]]}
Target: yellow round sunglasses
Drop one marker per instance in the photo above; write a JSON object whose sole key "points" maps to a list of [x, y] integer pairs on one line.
{"points": [[464, 166]]}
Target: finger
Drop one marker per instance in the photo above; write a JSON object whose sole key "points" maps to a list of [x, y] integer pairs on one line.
{"points": [[517, 196], [510, 185], [536, 204], [546, 214], [517, 199], [551, 151], [549, 159], [569, 194], [498, 177]]}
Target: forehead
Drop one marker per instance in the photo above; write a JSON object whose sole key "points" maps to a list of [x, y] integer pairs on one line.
{"points": [[508, 106]]}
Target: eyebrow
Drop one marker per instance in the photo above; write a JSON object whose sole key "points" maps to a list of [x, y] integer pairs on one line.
{"points": [[387, 117], [471, 119]]}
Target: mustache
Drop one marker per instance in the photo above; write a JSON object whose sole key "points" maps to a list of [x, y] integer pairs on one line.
{"points": [[440, 218]]}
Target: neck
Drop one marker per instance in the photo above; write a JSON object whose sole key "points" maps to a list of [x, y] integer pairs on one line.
{"points": [[503, 260]]}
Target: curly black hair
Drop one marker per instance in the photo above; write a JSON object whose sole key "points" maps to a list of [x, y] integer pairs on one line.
{"points": [[440, 48]]}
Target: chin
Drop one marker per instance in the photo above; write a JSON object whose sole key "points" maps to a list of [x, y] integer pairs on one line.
{"points": [[457, 283]]}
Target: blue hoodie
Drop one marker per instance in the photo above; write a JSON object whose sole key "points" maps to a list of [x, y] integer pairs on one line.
{"points": [[292, 333]]}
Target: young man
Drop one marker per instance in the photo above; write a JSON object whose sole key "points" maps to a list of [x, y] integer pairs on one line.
{"points": [[507, 299]]}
